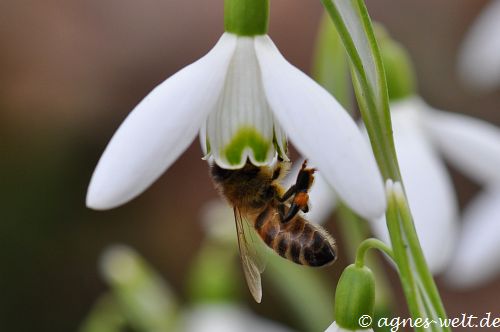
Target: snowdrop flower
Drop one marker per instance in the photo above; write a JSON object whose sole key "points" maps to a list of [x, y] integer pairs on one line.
{"points": [[146, 300], [335, 328], [226, 318], [479, 57], [429, 188], [477, 259], [243, 98], [473, 147], [422, 135]]}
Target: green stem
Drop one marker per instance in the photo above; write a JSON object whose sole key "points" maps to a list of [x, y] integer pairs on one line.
{"points": [[371, 244], [421, 265], [375, 111], [401, 256], [354, 26], [246, 17]]}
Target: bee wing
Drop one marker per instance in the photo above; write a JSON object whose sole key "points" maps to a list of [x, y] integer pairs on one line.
{"points": [[255, 246], [252, 264]]}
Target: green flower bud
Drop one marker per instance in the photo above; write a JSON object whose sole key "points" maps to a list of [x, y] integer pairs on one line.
{"points": [[354, 297], [398, 67]]}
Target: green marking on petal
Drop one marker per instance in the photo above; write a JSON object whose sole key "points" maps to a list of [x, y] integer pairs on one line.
{"points": [[247, 137], [208, 147], [281, 148]]}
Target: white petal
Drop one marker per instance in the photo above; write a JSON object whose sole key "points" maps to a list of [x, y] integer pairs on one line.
{"points": [[242, 125], [159, 129], [281, 140], [322, 200], [429, 188], [322, 131], [479, 57], [226, 318], [472, 145], [477, 255], [204, 141], [335, 328]]}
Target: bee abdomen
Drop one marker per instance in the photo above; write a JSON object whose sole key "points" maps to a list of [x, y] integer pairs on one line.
{"points": [[267, 229], [310, 245], [297, 240], [320, 250], [287, 247]]}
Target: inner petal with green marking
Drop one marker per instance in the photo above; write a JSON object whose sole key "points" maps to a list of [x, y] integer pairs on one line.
{"points": [[247, 138], [242, 127]]}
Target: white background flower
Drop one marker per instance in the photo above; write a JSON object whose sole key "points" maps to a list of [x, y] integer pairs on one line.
{"points": [[335, 328], [467, 254], [226, 318], [479, 57], [422, 135]]}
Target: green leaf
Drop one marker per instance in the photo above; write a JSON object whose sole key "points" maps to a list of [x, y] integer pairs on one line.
{"points": [[354, 26], [105, 316], [143, 296], [213, 276]]}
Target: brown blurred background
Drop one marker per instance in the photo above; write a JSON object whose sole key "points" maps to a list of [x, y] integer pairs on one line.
{"points": [[70, 71]]}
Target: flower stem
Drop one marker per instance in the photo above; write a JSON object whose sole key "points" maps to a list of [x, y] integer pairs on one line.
{"points": [[246, 17], [369, 244], [420, 263], [354, 26], [401, 255]]}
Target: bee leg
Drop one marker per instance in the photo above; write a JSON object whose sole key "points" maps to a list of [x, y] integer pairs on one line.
{"points": [[292, 212], [288, 194], [305, 178], [299, 203], [281, 211]]}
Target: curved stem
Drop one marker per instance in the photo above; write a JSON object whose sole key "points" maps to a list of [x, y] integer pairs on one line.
{"points": [[371, 244]]}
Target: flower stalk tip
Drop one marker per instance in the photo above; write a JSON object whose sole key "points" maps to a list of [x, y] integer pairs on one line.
{"points": [[246, 17]]}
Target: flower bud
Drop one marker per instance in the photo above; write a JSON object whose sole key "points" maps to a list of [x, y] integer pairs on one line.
{"points": [[354, 297], [398, 67]]}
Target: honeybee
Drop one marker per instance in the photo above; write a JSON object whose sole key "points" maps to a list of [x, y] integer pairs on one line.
{"points": [[260, 202]]}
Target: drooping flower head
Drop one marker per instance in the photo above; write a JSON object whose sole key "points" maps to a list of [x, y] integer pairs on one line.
{"points": [[244, 99]]}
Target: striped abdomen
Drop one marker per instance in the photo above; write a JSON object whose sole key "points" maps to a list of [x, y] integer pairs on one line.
{"points": [[297, 240]]}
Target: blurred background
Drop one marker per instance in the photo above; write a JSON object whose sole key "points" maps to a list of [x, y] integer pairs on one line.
{"points": [[70, 71]]}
